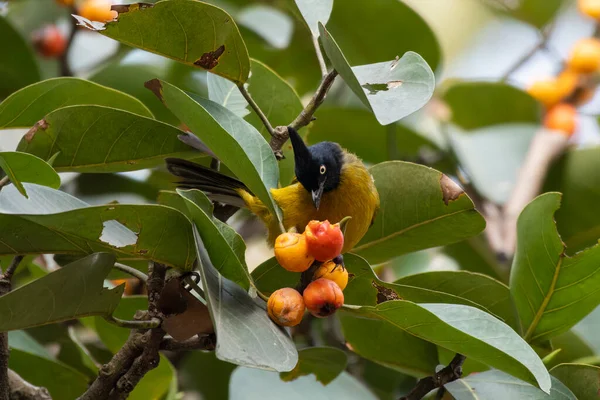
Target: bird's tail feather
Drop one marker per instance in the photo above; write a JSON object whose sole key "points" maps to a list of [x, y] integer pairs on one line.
{"points": [[217, 186]]}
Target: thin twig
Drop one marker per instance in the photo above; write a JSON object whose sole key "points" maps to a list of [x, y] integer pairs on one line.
{"points": [[541, 44], [12, 267], [320, 56], [4, 181], [132, 271], [146, 324], [256, 108], [451, 372], [65, 69]]}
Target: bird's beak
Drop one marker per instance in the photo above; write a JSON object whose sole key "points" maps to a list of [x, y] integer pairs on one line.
{"points": [[316, 194]]}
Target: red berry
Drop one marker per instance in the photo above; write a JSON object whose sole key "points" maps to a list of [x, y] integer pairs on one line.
{"points": [[324, 241]]}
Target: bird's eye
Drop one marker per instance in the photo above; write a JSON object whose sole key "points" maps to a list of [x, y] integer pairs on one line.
{"points": [[322, 169]]}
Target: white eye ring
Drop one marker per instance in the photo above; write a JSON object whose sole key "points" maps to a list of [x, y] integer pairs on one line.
{"points": [[322, 169]]}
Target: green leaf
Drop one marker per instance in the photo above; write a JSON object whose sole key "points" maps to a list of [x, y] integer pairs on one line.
{"points": [[552, 292], [496, 385], [382, 31], [413, 206], [247, 336], [535, 12], [492, 157], [227, 94], [234, 141], [200, 363], [478, 104], [30, 104], [68, 293], [102, 139], [577, 176], [392, 89], [281, 105], [465, 330], [256, 384], [315, 11], [349, 127], [20, 69], [32, 362], [573, 346], [23, 167], [188, 31], [475, 254], [326, 363], [224, 245], [580, 378], [55, 222]]}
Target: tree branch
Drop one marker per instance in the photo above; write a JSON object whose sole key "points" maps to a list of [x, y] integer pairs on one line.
{"points": [[451, 372], [320, 56], [65, 69], [256, 108], [5, 287], [147, 324], [541, 44], [23, 390], [4, 181], [281, 135], [132, 271]]}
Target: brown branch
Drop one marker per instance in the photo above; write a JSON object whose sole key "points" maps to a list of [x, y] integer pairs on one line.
{"points": [[451, 372], [123, 323], [320, 58], [280, 134], [4, 181], [256, 108], [5, 287], [23, 390], [65, 69]]}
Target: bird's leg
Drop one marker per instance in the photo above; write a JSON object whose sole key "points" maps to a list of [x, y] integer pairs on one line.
{"points": [[339, 260]]}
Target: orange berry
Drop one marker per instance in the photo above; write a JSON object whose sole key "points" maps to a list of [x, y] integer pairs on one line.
{"points": [[333, 272], [567, 81], [286, 307], [590, 8], [546, 91], [291, 252], [65, 2], [585, 56], [97, 10], [323, 297], [563, 118], [50, 41], [325, 241]]}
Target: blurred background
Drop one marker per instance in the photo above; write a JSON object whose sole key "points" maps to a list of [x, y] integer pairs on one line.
{"points": [[473, 46]]}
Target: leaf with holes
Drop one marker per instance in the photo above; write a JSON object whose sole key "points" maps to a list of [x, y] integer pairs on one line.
{"points": [[552, 292], [30, 104], [465, 330], [51, 221], [188, 31], [392, 90], [420, 208], [102, 139], [73, 291], [23, 167]]}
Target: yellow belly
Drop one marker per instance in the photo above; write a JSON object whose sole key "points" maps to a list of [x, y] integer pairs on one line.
{"points": [[355, 196]]}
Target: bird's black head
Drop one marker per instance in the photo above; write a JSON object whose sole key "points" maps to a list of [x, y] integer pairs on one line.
{"points": [[318, 167]]}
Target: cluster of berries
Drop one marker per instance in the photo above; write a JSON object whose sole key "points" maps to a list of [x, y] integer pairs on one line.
{"points": [[51, 42], [575, 85], [315, 251]]}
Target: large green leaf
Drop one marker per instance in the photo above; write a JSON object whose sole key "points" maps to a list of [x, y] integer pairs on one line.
{"points": [[18, 67], [492, 157], [246, 335], [255, 384], [281, 105], [582, 379], [420, 208], [552, 292], [234, 141], [496, 385], [68, 293], [227, 94], [381, 30], [51, 221], [30, 104], [224, 245], [391, 89], [32, 362], [102, 139], [352, 127], [23, 167], [325, 363], [577, 177], [465, 330], [535, 12], [478, 104], [188, 31], [315, 11]]}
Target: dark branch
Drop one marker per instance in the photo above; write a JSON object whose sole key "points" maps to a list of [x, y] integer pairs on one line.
{"points": [[256, 108], [451, 372], [65, 69]]}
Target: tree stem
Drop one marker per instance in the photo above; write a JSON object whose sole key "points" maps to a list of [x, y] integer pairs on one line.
{"points": [[132, 271], [451, 372], [65, 69], [320, 57], [256, 108], [146, 324]]}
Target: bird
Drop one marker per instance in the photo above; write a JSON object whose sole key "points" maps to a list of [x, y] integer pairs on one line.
{"points": [[331, 183]]}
